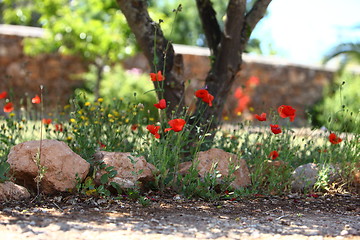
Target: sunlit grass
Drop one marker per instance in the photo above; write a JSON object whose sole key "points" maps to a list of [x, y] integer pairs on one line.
{"points": [[91, 126]]}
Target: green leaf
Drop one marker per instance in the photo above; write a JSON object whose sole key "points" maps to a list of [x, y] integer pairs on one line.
{"points": [[104, 178], [108, 169], [116, 186], [112, 174]]}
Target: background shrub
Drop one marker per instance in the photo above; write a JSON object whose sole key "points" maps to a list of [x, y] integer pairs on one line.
{"points": [[340, 108]]}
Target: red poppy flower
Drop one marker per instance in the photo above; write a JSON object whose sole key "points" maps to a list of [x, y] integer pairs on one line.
{"points": [[320, 150], [46, 121], [242, 104], [253, 81], [334, 139], [161, 104], [153, 130], [58, 127], [273, 155], [102, 145], [261, 118], [205, 96], [275, 128], [9, 107], [157, 76], [287, 111], [208, 99], [201, 93], [176, 125], [134, 127], [36, 99], [238, 93], [3, 95]]}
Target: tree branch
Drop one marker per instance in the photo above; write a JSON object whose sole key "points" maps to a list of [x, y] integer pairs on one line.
{"points": [[227, 61], [229, 57], [210, 24], [256, 13], [235, 14], [144, 29]]}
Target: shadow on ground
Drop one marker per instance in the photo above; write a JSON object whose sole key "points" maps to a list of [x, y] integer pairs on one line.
{"points": [[74, 217]]}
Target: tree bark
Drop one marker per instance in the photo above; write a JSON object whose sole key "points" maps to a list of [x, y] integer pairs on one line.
{"points": [[226, 46], [227, 61], [158, 51], [210, 24]]}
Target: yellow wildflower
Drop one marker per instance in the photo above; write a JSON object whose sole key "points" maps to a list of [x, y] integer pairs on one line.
{"points": [[116, 113]]}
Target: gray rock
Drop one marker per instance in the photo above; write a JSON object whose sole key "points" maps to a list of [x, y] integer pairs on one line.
{"points": [[304, 177]]}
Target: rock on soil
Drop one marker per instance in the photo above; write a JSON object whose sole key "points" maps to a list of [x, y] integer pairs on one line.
{"points": [[208, 160], [130, 169], [304, 177], [11, 191], [62, 165]]}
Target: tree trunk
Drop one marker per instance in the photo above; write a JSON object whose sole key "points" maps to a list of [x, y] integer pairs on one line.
{"points": [[158, 51], [226, 47]]}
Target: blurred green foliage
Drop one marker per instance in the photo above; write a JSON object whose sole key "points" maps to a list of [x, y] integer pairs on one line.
{"points": [[95, 30], [340, 109], [188, 29], [129, 85], [19, 12], [95, 26]]}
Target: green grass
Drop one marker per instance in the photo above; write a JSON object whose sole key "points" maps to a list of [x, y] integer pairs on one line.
{"points": [[90, 126]]}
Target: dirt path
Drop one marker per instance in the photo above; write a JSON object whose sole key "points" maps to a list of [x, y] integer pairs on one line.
{"points": [[324, 217]]}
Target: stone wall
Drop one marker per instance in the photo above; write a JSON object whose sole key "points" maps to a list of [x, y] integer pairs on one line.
{"points": [[263, 84], [21, 75]]}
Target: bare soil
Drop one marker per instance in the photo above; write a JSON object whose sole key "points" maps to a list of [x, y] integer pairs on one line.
{"points": [[173, 217]]}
